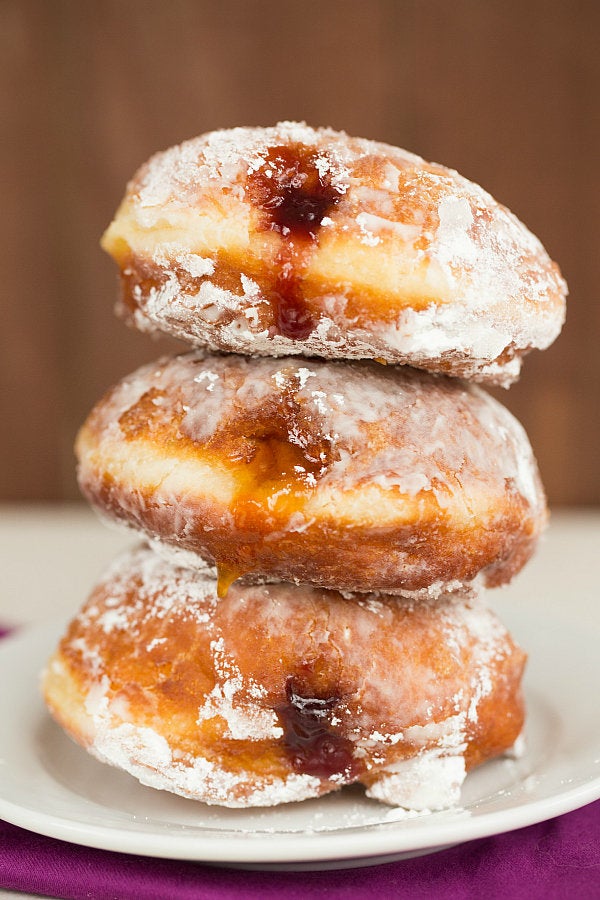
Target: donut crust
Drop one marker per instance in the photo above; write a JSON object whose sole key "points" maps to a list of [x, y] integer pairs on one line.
{"points": [[293, 240], [351, 476], [278, 693]]}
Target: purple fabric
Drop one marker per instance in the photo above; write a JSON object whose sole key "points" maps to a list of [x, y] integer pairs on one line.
{"points": [[556, 859], [553, 860]]}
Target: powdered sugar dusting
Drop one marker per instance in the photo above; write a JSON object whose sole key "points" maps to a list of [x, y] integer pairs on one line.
{"points": [[408, 726], [428, 782], [454, 243], [161, 593], [243, 720], [378, 445], [223, 158], [147, 756], [494, 292], [396, 429]]}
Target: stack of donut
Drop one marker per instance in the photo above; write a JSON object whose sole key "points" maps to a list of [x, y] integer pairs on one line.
{"points": [[324, 492]]}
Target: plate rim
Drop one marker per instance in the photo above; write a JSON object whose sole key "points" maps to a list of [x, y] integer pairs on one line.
{"points": [[315, 846]]}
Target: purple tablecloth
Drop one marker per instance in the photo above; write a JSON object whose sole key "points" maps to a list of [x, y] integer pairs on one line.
{"points": [[555, 859]]}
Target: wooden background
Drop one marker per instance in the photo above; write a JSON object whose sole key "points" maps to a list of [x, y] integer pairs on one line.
{"points": [[506, 91]]}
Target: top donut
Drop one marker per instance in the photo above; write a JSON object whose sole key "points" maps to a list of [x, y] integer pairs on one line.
{"points": [[294, 240]]}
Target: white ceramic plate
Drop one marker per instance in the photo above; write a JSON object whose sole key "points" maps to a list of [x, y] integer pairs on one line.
{"points": [[51, 786]]}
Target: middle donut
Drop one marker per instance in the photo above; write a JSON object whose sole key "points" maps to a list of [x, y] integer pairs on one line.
{"points": [[345, 475]]}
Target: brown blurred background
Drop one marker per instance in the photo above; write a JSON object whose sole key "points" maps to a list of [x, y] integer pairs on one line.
{"points": [[506, 91]]}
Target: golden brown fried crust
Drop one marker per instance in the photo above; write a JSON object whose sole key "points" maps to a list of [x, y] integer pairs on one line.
{"points": [[279, 688], [349, 476], [289, 240], [330, 554]]}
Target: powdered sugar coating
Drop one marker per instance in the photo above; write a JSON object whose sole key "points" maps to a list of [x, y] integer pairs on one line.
{"points": [[428, 782], [147, 756], [189, 693], [414, 265], [256, 464]]}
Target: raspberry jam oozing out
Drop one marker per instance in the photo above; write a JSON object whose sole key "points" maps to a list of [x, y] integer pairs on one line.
{"points": [[313, 747], [293, 188], [293, 319]]}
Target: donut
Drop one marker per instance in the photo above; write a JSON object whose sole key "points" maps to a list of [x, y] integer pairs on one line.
{"points": [[278, 693], [293, 240], [346, 475]]}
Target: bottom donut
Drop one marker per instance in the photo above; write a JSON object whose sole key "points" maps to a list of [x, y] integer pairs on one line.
{"points": [[279, 692]]}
